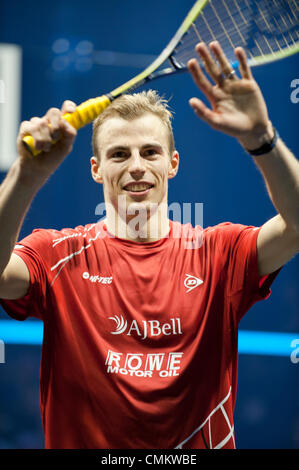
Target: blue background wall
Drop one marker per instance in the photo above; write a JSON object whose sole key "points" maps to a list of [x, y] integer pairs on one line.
{"points": [[214, 170]]}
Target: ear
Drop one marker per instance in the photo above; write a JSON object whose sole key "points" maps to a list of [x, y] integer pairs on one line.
{"points": [[95, 170], [173, 165]]}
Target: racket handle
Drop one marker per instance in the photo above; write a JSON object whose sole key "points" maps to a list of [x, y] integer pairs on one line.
{"points": [[83, 115]]}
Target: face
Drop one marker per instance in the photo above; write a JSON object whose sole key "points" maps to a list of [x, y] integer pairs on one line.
{"points": [[134, 162]]}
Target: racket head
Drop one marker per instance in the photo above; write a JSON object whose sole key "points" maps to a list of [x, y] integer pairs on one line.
{"points": [[268, 30]]}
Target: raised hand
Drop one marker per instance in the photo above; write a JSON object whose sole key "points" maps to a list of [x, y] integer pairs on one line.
{"points": [[44, 130], [237, 104]]}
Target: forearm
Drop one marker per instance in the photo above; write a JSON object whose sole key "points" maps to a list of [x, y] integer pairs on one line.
{"points": [[280, 170], [16, 194], [28, 174]]}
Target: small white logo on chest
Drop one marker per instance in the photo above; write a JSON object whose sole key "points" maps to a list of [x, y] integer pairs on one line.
{"points": [[98, 279], [191, 282]]}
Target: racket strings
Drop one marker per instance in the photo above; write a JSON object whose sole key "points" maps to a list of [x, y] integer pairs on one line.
{"points": [[234, 35], [207, 22], [262, 27]]}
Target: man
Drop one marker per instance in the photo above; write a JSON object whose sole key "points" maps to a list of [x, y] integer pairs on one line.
{"points": [[140, 329]]}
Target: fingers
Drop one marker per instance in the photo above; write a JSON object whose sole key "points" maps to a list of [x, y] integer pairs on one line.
{"points": [[68, 107], [222, 68], [217, 67], [210, 65], [203, 112], [39, 129], [199, 78], [53, 116], [244, 68], [225, 67], [49, 128]]}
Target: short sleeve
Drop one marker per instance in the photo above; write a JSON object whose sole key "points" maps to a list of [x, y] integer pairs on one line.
{"points": [[244, 287], [32, 250]]}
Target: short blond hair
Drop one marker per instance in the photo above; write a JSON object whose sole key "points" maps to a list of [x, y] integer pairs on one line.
{"points": [[132, 106]]}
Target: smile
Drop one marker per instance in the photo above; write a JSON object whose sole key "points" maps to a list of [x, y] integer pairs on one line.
{"points": [[138, 187]]}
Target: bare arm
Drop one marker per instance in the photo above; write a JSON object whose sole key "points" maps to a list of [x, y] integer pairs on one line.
{"points": [[15, 199], [278, 239], [25, 178], [238, 109]]}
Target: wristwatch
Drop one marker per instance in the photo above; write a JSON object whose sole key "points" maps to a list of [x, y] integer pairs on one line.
{"points": [[266, 147]]}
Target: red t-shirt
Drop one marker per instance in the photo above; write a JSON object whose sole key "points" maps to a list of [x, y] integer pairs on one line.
{"points": [[140, 342]]}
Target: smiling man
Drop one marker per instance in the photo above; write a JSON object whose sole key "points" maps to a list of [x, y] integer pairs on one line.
{"points": [[140, 342], [134, 157]]}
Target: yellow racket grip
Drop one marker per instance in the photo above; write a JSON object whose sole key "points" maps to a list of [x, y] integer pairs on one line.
{"points": [[83, 115]]}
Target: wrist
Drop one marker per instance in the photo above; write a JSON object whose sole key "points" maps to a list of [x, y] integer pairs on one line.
{"points": [[27, 178], [258, 138]]}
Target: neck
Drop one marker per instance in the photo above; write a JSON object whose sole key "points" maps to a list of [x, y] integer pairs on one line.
{"points": [[141, 228]]}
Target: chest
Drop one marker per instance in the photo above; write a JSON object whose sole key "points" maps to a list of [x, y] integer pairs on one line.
{"points": [[156, 295], [140, 317]]}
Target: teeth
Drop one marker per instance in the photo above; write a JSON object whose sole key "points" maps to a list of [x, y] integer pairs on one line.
{"points": [[138, 187]]}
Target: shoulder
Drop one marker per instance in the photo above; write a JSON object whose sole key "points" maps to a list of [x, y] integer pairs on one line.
{"points": [[229, 230], [224, 229], [50, 245], [53, 237], [49, 250], [72, 236], [220, 237]]}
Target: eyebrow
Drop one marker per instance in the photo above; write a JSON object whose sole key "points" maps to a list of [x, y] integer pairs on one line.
{"points": [[115, 148]]}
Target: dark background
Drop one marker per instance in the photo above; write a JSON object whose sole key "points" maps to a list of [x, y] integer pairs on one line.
{"points": [[213, 170]]}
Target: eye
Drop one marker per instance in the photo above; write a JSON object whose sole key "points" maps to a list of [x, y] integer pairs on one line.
{"points": [[120, 154], [150, 152]]}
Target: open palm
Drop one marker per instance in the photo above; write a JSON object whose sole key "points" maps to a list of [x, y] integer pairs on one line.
{"points": [[237, 106]]}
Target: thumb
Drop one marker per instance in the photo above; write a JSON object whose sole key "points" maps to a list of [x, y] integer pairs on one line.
{"points": [[68, 106]]}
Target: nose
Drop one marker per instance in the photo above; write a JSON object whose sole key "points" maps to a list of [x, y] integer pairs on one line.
{"points": [[136, 165]]}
